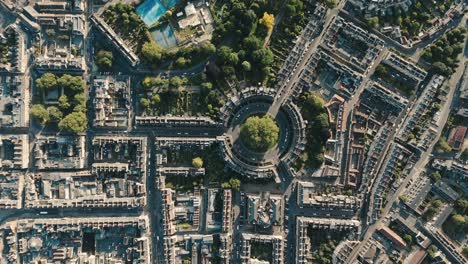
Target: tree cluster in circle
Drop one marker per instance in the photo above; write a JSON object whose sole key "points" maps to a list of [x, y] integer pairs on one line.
{"points": [[70, 113], [259, 133], [317, 130]]}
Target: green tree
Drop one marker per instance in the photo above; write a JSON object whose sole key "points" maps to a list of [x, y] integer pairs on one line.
{"points": [[442, 69], [235, 184], [181, 62], [408, 239], [207, 86], [63, 102], [331, 3], [432, 251], [156, 99], [458, 220], [79, 99], [403, 198], [176, 82], [252, 43], [443, 146], [48, 81], [152, 52], [197, 162], [373, 22], [40, 114], [104, 59], [263, 56], [464, 155], [381, 71], [246, 66], [462, 206], [435, 176], [75, 84], [208, 48], [437, 203], [75, 122], [50, 32], [316, 102], [259, 133], [80, 108], [54, 113], [322, 120], [465, 252], [145, 103], [227, 56], [229, 71]]}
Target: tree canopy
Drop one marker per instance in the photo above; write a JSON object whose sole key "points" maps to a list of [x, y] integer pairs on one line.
{"points": [[227, 56], [259, 133], [104, 59], [152, 52], [317, 131], [39, 113], [54, 113], [233, 183], [75, 122], [47, 81], [75, 84], [197, 162], [264, 57]]}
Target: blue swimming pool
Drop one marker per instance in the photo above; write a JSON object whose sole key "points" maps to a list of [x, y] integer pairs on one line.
{"points": [[151, 10]]}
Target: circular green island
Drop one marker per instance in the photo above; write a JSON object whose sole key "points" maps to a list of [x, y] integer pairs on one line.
{"points": [[259, 134]]}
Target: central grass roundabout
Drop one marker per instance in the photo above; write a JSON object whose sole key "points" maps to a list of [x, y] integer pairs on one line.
{"points": [[259, 134]]}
